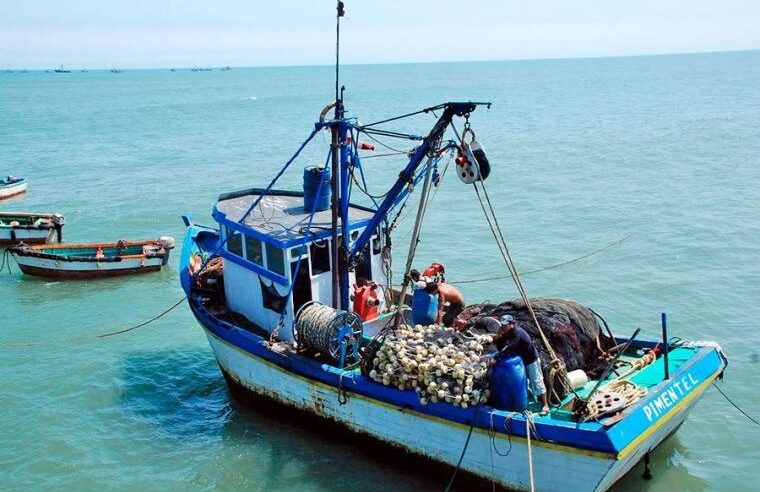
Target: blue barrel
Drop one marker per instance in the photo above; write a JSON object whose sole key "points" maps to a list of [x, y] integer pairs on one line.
{"points": [[509, 388], [312, 176], [424, 307]]}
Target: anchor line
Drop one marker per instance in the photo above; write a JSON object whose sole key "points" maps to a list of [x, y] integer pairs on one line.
{"points": [[144, 323], [478, 406], [108, 334], [735, 405]]}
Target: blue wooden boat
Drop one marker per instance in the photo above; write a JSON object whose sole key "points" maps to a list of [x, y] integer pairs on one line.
{"points": [[12, 186], [292, 298]]}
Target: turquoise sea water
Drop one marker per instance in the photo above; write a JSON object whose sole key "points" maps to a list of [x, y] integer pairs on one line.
{"points": [[662, 150]]}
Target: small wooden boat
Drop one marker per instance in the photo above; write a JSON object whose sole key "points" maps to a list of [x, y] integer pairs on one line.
{"points": [[12, 186], [94, 260], [30, 228]]}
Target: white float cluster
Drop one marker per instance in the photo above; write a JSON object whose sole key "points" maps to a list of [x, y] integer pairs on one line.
{"points": [[440, 363]]}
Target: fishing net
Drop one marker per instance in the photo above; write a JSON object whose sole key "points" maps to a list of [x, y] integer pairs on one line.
{"points": [[572, 330]]}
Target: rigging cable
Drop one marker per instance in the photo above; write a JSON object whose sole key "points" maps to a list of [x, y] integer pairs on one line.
{"points": [[383, 144], [557, 364], [550, 267], [259, 198]]}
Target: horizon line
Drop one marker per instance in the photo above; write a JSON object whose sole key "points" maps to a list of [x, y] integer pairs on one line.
{"points": [[551, 58]]}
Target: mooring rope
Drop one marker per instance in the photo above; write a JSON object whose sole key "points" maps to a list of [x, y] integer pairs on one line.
{"points": [[530, 425], [478, 405], [735, 405], [102, 335], [144, 323]]}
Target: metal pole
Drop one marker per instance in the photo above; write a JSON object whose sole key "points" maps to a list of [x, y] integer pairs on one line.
{"points": [[334, 184], [664, 320], [416, 230]]}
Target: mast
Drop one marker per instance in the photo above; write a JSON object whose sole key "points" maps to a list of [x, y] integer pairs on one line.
{"points": [[337, 165]]}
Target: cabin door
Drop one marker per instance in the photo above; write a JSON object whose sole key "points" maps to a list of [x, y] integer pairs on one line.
{"points": [[301, 284]]}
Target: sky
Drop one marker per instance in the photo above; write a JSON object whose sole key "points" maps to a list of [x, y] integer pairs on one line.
{"points": [[172, 33]]}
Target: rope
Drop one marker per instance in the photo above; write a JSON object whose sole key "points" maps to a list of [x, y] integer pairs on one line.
{"points": [[281, 322], [640, 363], [627, 389], [261, 197], [542, 269], [530, 425], [478, 405], [735, 405], [558, 365], [140, 325], [318, 325], [108, 334]]}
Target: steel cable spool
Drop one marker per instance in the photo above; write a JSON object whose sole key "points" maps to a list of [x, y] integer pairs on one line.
{"points": [[324, 329]]}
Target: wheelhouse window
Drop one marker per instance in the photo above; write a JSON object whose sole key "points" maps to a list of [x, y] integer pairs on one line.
{"points": [[253, 251], [320, 257], [275, 260], [234, 242]]}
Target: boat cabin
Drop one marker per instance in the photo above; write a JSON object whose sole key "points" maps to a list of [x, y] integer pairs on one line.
{"points": [[262, 253]]}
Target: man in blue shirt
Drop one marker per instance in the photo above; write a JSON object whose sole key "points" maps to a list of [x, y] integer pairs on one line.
{"points": [[516, 341]]}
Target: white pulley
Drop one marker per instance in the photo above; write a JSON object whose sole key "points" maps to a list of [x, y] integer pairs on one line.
{"points": [[472, 163]]}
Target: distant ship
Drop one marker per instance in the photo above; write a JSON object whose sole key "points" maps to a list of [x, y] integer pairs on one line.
{"points": [[116, 70], [199, 69], [62, 70], [224, 69], [173, 70]]}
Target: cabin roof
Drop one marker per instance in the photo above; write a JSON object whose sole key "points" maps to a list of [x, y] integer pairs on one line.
{"points": [[280, 216]]}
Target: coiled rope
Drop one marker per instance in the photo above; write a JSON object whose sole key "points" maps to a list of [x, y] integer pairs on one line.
{"points": [[627, 389], [317, 327]]}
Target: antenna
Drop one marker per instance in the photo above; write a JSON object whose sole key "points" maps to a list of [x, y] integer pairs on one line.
{"points": [[338, 96]]}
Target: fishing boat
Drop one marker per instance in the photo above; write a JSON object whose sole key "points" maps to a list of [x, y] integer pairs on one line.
{"points": [[30, 228], [62, 70], [293, 291], [94, 260], [12, 186]]}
